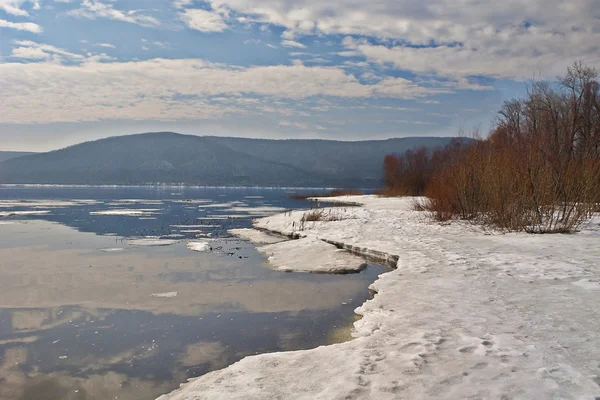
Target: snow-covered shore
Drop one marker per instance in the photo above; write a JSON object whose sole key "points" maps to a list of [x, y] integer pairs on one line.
{"points": [[467, 314]]}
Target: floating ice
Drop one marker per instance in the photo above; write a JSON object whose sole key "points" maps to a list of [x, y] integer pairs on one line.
{"points": [[127, 212], [166, 294], [13, 213], [112, 250], [198, 246], [152, 242]]}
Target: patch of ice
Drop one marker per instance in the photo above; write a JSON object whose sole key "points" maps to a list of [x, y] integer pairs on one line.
{"points": [[217, 205], [310, 254], [13, 213], [165, 295], [192, 201], [152, 242], [225, 216], [124, 202], [256, 236], [45, 203], [112, 250], [127, 212], [198, 246]]}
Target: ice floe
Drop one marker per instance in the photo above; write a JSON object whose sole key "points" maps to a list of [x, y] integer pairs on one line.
{"points": [[198, 246], [127, 212], [23, 213], [165, 294], [152, 242]]}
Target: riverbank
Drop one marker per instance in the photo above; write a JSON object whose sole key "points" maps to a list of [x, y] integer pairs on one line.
{"points": [[467, 313]]}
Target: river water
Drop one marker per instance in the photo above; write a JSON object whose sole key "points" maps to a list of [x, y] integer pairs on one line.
{"points": [[91, 308]]}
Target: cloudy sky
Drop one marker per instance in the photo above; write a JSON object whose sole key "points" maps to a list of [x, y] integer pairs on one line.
{"points": [[75, 70]]}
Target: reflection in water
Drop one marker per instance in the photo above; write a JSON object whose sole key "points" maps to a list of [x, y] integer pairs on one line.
{"points": [[77, 322]]}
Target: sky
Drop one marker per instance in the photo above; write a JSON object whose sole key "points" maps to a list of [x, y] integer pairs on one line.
{"points": [[78, 70]]}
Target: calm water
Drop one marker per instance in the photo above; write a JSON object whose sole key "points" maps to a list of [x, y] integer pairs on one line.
{"points": [[86, 315]]}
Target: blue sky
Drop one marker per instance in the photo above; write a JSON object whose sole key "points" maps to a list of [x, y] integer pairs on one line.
{"points": [[76, 70]]}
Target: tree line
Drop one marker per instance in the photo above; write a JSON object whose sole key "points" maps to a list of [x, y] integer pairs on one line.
{"points": [[537, 171]]}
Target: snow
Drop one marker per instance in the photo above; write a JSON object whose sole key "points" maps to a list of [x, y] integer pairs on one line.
{"points": [[127, 212], [468, 313], [165, 295], [198, 246], [256, 236]]}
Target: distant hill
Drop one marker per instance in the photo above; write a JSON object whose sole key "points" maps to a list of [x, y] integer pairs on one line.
{"points": [[7, 155], [166, 157]]}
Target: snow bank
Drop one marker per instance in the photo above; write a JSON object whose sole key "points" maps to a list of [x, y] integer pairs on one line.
{"points": [[466, 314], [256, 236]]}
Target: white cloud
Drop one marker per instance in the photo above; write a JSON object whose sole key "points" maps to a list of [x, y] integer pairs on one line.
{"points": [[203, 20], [21, 26], [107, 45], [36, 51], [291, 43], [509, 39], [181, 3], [13, 7], [44, 92], [92, 9], [458, 62]]}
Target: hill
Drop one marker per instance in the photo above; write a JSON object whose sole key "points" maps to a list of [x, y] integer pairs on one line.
{"points": [[167, 157], [7, 155]]}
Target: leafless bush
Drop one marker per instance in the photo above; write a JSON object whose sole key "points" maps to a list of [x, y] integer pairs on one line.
{"points": [[538, 171]]}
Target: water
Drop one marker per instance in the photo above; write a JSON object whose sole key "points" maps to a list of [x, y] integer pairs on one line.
{"points": [[80, 322]]}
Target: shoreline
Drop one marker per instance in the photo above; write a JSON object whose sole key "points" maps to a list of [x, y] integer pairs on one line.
{"points": [[465, 314]]}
